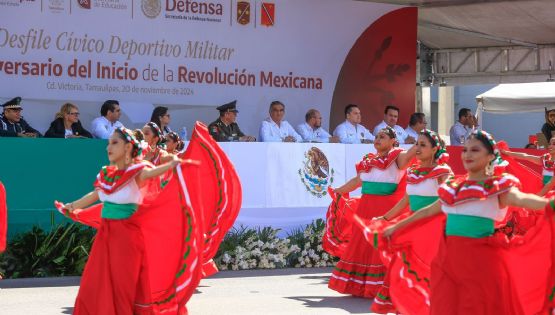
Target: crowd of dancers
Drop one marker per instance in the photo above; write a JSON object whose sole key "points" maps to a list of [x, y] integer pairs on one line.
{"points": [[419, 240], [423, 241]]}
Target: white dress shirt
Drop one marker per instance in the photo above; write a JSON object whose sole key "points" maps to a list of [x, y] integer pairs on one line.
{"points": [[310, 134], [349, 133], [271, 132], [458, 133], [411, 133], [401, 134], [102, 128]]}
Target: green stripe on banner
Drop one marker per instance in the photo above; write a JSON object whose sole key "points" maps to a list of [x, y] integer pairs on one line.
{"points": [[418, 202], [381, 189]]}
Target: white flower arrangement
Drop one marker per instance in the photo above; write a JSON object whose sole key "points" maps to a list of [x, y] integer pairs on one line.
{"points": [[262, 249]]}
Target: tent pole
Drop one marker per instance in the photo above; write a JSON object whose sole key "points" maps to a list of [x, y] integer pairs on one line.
{"points": [[446, 110]]}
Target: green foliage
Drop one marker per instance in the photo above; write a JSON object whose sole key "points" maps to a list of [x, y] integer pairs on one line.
{"points": [[65, 249], [61, 252]]}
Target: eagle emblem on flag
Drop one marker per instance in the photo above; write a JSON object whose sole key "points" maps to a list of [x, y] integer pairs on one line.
{"points": [[268, 16], [243, 12], [316, 173]]}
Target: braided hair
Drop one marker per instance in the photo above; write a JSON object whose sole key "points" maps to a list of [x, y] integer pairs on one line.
{"points": [[128, 137], [441, 155]]}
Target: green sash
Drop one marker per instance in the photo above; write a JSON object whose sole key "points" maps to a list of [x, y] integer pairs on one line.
{"points": [[417, 202], [381, 189], [546, 179], [468, 225], [118, 211]]}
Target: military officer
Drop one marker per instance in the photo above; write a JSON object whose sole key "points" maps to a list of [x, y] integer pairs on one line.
{"points": [[225, 128], [12, 123]]}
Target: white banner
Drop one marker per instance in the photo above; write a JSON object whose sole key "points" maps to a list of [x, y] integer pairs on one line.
{"points": [[182, 53]]}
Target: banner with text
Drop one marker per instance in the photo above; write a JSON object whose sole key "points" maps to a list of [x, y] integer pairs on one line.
{"points": [[205, 53]]}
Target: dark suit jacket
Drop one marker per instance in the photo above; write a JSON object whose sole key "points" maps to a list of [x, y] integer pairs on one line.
{"points": [[57, 129], [8, 129]]}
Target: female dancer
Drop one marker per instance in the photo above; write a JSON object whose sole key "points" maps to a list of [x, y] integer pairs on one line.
{"points": [[174, 144], [147, 246], [360, 271], [470, 274], [547, 161], [153, 137], [423, 178]]}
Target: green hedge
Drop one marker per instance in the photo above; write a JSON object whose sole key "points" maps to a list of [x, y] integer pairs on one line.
{"points": [[64, 250]]}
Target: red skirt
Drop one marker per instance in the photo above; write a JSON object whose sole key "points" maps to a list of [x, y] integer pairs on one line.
{"points": [[360, 271], [3, 218], [115, 279], [470, 276]]}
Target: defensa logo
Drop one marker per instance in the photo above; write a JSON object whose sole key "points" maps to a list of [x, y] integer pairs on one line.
{"points": [[194, 7], [151, 8]]}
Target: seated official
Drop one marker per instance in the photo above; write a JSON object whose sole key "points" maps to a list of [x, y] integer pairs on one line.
{"points": [[225, 128], [275, 129], [548, 127], [12, 123], [417, 123], [351, 131], [67, 124], [104, 126], [390, 118], [312, 131], [161, 118]]}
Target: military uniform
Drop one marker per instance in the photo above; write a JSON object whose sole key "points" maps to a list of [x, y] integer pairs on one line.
{"points": [[222, 132], [11, 129]]}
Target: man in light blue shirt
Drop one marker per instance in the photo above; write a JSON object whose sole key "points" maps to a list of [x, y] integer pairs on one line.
{"points": [[391, 115], [462, 128], [351, 131], [312, 131], [417, 123], [275, 129]]}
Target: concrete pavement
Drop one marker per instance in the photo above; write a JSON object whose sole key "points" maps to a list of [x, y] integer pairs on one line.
{"points": [[282, 291]]}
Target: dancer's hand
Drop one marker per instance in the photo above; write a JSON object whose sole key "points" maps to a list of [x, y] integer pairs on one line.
{"points": [[61, 207], [388, 232], [174, 161]]}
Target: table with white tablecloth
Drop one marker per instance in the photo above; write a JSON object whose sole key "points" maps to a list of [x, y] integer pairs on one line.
{"points": [[277, 188]]}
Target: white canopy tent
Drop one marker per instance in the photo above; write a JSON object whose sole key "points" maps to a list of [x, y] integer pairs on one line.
{"points": [[517, 98]]}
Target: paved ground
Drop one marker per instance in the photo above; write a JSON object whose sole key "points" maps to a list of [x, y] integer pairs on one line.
{"points": [[260, 292]]}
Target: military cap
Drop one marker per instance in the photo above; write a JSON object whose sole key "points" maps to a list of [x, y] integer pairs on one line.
{"points": [[229, 107], [13, 103]]}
